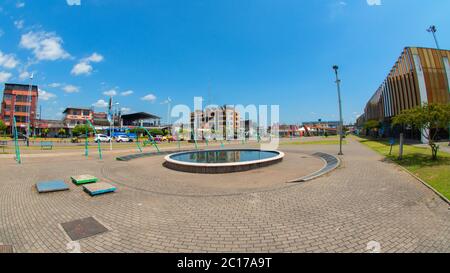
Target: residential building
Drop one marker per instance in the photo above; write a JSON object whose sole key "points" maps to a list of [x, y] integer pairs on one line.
{"points": [[19, 101], [218, 122], [75, 116]]}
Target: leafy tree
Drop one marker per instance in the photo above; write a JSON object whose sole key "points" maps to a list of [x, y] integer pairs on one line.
{"points": [[45, 132], [81, 129], [62, 132], [137, 130], [372, 124], [428, 118], [3, 127], [156, 132]]}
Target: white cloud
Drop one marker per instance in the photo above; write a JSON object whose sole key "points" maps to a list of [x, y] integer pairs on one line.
{"points": [[125, 110], [110, 93], [54, 85], [45, 45], [127, 93], [81, 68], [20, 5], [84, 66], [24, 75], [5, 76], [73, 2], [95, 58], [100, 104], [19, 24], [374, 2], [149, 97], [44, 95], [8, 60], [71, 89]]}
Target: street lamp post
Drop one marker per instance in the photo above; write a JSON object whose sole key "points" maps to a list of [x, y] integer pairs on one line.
{"points": [[30, 101], [432, 29], [341, 121]]}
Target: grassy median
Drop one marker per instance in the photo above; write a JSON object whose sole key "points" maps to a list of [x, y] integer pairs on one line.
{"points": [[418, 161]]}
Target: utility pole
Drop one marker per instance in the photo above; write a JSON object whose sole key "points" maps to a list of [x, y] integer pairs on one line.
{"points": [[341, 120]]}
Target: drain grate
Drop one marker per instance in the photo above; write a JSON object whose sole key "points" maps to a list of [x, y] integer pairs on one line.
{"points": [[83, 228], [331, 161], [6, 249]]}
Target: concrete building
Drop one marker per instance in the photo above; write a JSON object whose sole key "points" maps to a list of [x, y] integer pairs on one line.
{"points": [[420, 75], [76, 116], [216, 123], [19, 101]]}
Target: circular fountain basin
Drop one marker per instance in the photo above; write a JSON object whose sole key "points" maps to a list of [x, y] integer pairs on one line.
{"points": [[222, 161]]}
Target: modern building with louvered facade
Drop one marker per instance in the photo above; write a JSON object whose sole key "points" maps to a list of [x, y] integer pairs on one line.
{"points": [[421, 75]]}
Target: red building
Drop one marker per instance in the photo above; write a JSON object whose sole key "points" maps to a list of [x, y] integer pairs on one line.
{"points": [[19, 102]]}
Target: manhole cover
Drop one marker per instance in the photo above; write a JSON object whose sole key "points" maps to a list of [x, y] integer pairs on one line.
{"points": [[6, 249], [83, 228]]}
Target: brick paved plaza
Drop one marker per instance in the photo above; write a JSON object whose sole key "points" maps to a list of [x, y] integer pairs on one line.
{"points": [[160, 210]]}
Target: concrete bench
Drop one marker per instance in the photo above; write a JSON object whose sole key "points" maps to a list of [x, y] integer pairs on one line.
{"points": [[46, 145]]}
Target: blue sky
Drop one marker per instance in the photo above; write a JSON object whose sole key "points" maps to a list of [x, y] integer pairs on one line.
{"points": [[239, 52]]}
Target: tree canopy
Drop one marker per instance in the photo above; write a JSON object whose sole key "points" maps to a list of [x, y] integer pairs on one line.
{"points": [[3, 127], [428, 118], [372, 124], [81, 129]]}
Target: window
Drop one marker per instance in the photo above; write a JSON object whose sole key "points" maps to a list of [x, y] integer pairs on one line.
{"points": [[21, 119], [21, 108], [86, 113], [76, 112], [7, 118], [7, 96], [22, 98]]}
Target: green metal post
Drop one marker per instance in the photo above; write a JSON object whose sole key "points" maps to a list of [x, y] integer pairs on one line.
{"points": [[195, 142], [86, 143], [16, 142], [99, 146], [152, 139], [137, 141]]}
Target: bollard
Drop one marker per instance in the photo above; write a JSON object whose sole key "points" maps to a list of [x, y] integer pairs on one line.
{"points": [[400, 153]]}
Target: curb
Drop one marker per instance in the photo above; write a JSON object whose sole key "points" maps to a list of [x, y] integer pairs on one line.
{"points": [[426, 184], [327, 168], [413, 175]]}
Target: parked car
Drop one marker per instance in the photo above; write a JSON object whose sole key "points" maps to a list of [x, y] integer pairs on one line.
{"points": [[102, 138], [123, 138]]}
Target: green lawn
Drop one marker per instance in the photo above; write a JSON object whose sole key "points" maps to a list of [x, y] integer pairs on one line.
{"points": [[418, 161]]}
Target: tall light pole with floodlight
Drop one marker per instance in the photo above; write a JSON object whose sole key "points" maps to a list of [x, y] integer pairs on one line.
{"points": [[30, 101], [341, 120], [432, 29]]}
